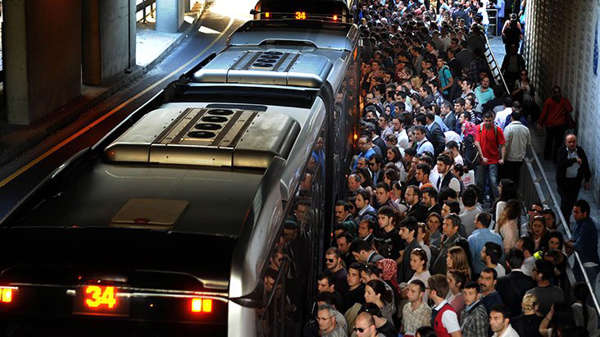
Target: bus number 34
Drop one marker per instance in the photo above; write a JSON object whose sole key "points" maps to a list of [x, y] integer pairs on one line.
{"points": [[96, 296]]}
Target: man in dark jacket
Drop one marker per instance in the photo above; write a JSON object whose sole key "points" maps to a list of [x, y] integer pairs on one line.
{"points": [[408, 232], [416, 208], [450, 238], [435, 133], [490, 297], [585, 239], [513, 286], [572, 169]]}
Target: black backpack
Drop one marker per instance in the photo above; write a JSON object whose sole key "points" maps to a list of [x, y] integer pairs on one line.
{"points": [[470, 152], [471, 156]]}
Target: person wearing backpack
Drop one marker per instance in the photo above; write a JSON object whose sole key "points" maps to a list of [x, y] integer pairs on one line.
{"points": [[489, 140], [445, 76]]}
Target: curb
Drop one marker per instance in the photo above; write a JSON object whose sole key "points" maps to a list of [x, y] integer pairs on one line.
{"points": [[10, 152]]}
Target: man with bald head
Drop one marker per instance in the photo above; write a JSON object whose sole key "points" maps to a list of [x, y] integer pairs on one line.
{"points": [[364, 325], [572, 169]]}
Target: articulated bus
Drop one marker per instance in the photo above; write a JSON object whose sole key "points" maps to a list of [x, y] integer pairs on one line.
{"points": [[206, 211]]}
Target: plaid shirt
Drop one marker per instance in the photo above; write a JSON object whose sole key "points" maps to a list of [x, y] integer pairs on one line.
{"points": [[412, 320], [474, 321]]}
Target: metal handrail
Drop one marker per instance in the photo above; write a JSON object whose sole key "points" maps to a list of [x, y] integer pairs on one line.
{"points": [[565, 226], [142, 7], [540, 192]]}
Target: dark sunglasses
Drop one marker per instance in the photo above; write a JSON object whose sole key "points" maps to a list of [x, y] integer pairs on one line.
{"points": [[361, 330], [330, 260]]}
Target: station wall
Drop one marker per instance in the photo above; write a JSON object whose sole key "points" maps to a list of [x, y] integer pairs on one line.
{"points": [[562, 47]]}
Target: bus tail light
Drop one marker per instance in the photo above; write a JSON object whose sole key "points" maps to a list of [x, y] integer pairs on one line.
{"points": [[201, 305], [7, 294]]}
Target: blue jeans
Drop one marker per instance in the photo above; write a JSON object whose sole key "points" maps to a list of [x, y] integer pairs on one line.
{"points": [[487, 175]]}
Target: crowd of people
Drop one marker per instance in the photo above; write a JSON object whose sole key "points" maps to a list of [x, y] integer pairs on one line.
{"points": [[431, 237]]}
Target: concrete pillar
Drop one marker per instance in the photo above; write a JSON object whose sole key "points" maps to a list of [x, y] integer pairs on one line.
{"points": [[169, 15], [42, 57], [108, 39]]}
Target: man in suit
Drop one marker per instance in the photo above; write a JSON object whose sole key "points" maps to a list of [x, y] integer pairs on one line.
{"points": [[435, 133], [416, 208], [513, 286], [448, 116], [430, 197], [377, 140], [572, 169], [376, 168]]}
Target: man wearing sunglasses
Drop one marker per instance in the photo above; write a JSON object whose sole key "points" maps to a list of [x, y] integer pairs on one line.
{"points": [[383, 326], [364, 326]]}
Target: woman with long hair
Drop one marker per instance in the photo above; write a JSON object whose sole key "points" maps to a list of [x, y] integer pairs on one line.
{"points": [[555, 240], [434, 224], [393, 155], [539, 233], [508, 224], [378, 294], [457, 260], [418, 263], [390, 175], [423, 240], [365, 177], [507, 189]]}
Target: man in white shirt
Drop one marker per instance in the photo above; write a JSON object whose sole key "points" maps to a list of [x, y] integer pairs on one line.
{"points": [[443, 315], [446, 178], [500, 322], [490, 255], [518, 138], [527, 245], [423, 144], [502, 115], [452, 146], [452, 136], [400, 132]]}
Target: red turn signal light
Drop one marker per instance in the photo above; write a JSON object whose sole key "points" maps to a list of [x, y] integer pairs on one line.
{"points": [[6, 294], [202, 305]]}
